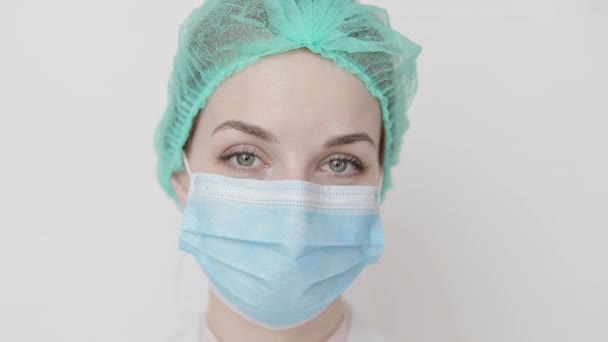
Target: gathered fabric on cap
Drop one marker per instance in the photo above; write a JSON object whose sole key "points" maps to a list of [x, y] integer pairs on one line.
{"points": [[224, 36]]}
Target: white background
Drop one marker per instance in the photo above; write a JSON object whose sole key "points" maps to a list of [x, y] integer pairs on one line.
{"points": [[497, 226]]}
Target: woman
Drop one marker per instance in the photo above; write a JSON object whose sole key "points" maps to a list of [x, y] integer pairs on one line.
{"points": [[283, 122]]}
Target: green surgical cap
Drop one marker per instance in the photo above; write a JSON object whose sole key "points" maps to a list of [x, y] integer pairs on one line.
{"points": [[224, 36]]}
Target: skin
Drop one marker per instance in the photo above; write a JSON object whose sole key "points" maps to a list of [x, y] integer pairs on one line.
{"points": [[300, 101]]}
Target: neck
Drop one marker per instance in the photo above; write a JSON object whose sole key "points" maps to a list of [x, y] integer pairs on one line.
{"points": [[229, 326]]}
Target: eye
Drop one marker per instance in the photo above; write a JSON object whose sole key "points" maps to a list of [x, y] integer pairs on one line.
{"points": [[243, 158], [337, 165], [345, 165]]}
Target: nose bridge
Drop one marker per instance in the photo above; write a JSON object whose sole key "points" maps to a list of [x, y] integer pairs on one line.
{"points": [[296, 154], [293, 167], [294, 162]]}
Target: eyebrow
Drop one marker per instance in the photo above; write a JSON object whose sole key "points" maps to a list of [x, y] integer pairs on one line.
{"points": [[349, 139], [266, 135], [247, 128]]}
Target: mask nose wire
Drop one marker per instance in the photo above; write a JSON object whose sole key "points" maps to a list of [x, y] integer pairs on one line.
{"points": [[186, 164]]}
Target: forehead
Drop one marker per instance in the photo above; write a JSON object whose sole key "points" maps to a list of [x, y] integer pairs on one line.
{"points": [[295, 90]]}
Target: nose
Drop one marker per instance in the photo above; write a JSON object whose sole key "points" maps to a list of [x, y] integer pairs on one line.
{"points": [[294, 170]]}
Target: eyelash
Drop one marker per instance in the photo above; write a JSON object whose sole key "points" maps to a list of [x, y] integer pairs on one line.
{"points": [[356, 162], [225, 157]]}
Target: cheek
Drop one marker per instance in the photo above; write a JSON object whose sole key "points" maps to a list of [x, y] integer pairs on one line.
{"points": [[374, 171], [202, 158], [373, 175]]}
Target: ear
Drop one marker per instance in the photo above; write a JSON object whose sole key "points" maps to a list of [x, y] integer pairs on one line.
{"points": [[181, 184]]}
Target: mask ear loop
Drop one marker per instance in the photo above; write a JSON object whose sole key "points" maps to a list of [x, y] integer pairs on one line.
{"points": [[186, 164]]}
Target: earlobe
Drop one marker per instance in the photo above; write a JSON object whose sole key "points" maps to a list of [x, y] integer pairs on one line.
{"points": [[181, 184]]}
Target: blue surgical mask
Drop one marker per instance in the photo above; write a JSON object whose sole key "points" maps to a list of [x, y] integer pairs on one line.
{"points": [[279, 252]]}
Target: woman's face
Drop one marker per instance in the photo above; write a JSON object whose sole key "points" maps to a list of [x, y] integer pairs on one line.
{"points": [[294, 115]]}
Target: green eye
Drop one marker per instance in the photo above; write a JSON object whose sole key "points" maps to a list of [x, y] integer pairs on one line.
{"points": [[337, 165], [245, 159]]}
